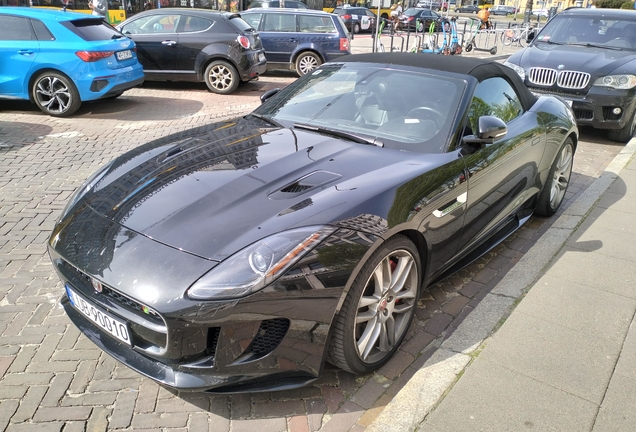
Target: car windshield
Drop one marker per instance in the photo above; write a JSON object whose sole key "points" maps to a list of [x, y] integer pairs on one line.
{"points": [[372, 102], [573, 30]]}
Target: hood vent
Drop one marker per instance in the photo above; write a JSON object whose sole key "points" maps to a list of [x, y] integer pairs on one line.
{"points": [[306, 183]]}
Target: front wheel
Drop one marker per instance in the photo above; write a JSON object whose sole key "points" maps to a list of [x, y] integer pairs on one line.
{"points": [[306, 62], [221, 77], [626, 133], [378, 309], [556, 186], [55, 94]]}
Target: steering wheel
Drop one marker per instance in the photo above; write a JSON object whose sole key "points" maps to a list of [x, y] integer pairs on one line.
{"points": [[424, 112]]}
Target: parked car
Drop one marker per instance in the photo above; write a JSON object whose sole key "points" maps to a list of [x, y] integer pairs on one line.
{"points": [[588, 57], [306, 230], [503, 10], [299, 39], [468, 9], [429, 4], [60, 59], [198, 45], [356, 19], [292, 4], [420, 19]]}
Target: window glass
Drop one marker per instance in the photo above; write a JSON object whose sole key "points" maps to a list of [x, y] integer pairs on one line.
{"points": [[194, 24], [15, 28], [316, 24], [586, 30], [152, 24], [253, 19], [280, 22], [494, 97], [91, 29], [240, 23], [41, 31]]}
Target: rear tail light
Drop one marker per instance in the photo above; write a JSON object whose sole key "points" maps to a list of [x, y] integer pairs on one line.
{"points": [[344, 44], [346, 16], [411, 18], [243, 41], [92, 56]]}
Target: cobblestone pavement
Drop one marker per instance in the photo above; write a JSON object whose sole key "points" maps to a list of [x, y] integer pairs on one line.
{"points": [[52, 378]]}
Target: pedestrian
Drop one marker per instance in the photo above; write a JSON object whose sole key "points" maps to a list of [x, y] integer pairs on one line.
{"points": [[99, 7], [147, 5]]}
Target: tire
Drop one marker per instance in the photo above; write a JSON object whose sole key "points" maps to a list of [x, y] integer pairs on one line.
{"points": [[356, 28], [221, 77], [626, 133], [419, 27], [468, 47], [306, 62], [374, 320], [556, 185], [55, 94]]}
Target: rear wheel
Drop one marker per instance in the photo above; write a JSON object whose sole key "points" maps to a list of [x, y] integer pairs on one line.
{"points": [[626, 133], [378, 309], [55, 94], [306, 62], [356, 28], [221, 77], [558, 180]]}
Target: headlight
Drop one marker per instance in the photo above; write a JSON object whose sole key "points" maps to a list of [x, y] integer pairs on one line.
{"points": [[84, 188], [258, 265], [517, 69], [621, 82]]}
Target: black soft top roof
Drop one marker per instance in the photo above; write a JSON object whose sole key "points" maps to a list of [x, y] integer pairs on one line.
{"points": [[477, 68]]}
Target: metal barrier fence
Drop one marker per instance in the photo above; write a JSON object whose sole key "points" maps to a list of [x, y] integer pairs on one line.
{"points": [[468, 37]]}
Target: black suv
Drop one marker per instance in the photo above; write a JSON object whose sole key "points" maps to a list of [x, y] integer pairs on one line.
{"points": [[588, 57], [175, 44]]}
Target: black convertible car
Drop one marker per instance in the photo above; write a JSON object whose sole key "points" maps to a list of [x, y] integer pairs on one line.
{"points": [[241, 255], [588, 57]]}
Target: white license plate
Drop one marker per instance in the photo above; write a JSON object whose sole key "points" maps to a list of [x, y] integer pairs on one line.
{"points": [[112, 326], [569, 102], [123, 55], [261, 57]]}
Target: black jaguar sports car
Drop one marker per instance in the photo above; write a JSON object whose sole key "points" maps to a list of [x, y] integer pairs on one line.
{"points": [[241, 255]]}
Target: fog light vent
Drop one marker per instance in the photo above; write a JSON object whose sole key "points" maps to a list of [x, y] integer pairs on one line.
{"points": [[98, 85], [269, 336]]}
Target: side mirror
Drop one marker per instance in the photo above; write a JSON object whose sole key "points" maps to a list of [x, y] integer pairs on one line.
{"points": [[268, 94], [490, 129]]}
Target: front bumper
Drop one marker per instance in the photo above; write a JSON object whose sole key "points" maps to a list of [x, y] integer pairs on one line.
{"points": [[596, 107]]}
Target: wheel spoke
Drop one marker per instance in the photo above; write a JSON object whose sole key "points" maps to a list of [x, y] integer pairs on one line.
{"points": [[369, 338], [401, 272], [382, 276], [365, 316]]}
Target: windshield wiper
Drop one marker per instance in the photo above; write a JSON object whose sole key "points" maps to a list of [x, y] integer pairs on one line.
{"points": [[589, 45], [267, 119], [339, 134], [548, 41]]}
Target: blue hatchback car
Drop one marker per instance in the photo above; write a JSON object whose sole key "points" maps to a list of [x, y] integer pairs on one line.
{"points": [[58, 59], [299, 39]]}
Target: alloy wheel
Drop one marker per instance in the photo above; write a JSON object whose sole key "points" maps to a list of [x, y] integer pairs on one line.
{"points": [[561, 176]]}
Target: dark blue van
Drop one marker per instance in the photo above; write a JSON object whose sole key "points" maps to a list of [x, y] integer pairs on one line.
{"points": [[299, 39]]}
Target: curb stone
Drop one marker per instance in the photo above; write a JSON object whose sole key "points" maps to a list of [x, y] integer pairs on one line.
{"points": [[426, 389]]}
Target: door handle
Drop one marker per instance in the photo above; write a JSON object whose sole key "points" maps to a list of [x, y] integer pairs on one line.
{"points": [[169, 42], [448, 208], [25, 52]]}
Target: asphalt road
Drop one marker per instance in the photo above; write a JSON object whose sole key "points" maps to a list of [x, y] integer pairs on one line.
{"points": [[52, 378]]}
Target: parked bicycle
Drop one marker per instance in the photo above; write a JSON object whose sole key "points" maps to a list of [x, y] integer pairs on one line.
{"points": [[517, 36]]}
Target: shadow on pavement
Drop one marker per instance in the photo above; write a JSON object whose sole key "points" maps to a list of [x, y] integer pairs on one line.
{"points": [[14, 135]]}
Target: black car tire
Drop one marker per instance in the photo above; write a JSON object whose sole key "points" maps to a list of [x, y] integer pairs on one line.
{"points": [[356, 28], [556, 185], [626, 133], [381, 316], [306, 62], [221, 77], [55, 94]]}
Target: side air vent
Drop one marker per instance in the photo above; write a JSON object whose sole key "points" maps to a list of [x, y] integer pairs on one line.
{"points": [[306, 183]]}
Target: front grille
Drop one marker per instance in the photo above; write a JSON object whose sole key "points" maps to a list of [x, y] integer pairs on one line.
{"points": [[269, 336], [583, 114], [573, 80], [542, 76], [565, 79]]}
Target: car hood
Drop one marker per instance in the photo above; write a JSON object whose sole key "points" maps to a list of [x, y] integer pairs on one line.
{"points": [[214, 191], [596, 61]]}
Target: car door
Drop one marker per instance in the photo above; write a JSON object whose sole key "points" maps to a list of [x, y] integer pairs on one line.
{"points": [[19, 48], [279, 36], [194, 34], [502, 175], [156, 39]]}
